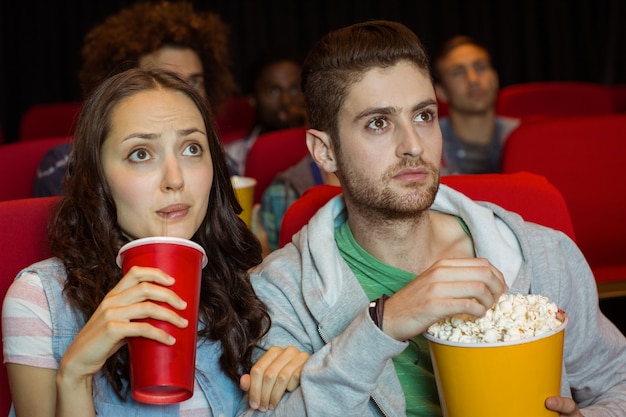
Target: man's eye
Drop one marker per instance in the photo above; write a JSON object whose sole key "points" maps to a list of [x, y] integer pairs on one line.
{"points": [[271, 92], [425, 116], [481, 67], [193, 150], [378, 123], [458, 72], [139, 155]]}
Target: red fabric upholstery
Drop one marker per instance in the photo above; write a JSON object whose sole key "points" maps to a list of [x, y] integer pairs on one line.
{"points": [[443, 109], [23, 241], [59, 119], [18, 165], [583, 158], [619, 97], [300, 212], [233, 135], [530, 195], [236, 114], [273, 153], [49, 120], [554, 98]]}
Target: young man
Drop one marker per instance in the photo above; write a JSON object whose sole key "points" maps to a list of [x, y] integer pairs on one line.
{"points": [[473, 136], [397, 232]]}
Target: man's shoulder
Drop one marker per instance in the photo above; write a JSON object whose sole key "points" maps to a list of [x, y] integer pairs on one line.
{"points": [[447, 133], [57, 153], [507, 124]]}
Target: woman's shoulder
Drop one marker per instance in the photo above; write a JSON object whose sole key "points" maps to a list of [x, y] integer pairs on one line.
{"points": [[51, 266], [27, 320], [34, 276], [43, 275]]}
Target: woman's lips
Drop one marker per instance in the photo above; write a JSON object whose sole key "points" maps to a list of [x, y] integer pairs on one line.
{"points": [[174, 211]]}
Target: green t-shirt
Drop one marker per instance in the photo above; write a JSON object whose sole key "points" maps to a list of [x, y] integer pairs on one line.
{"points": [[413, 366]]}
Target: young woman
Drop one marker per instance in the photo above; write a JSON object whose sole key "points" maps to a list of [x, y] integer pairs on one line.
{"points": [[145, 152]]}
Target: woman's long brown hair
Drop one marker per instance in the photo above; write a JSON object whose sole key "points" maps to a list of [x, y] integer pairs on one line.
{"points": [[85, 235]]}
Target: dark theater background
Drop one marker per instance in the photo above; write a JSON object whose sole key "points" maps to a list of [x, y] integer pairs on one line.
{"points": [[530, 40]]}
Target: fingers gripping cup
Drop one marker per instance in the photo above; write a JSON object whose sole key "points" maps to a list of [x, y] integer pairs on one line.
{"points": [[162, 374], [244, 190], [510, 378]]}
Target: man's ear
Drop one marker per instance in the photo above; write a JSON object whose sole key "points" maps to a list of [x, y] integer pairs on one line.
{"points": [[321, 149], [440, 92]]}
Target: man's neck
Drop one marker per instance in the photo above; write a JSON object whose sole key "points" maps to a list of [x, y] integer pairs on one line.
{"points": [[474, 128], [412, 244]]}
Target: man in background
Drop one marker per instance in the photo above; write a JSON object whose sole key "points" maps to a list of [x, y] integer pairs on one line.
{"points": [[278, 103], [473, 135]]}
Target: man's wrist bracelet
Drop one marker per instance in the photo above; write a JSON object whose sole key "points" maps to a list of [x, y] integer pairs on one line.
{"points": [[377, 310]]}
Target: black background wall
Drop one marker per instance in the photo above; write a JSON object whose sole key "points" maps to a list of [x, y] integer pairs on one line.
{"points": [[530, 40]]}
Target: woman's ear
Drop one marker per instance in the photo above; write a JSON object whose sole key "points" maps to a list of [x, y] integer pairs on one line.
{"points": [[321, 149]]}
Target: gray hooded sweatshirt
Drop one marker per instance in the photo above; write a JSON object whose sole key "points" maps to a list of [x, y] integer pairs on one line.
{"points": [[317, 305]]}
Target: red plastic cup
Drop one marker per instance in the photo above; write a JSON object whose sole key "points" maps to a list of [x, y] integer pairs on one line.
{"points": [[162, 374]]}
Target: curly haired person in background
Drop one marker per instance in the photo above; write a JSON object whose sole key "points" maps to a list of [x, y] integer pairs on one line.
{"points": [[164, 35]]}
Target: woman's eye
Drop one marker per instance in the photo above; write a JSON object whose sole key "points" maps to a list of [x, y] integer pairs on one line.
{"points": [[193, 150], [377, 123], [425, 116], [139, 155]]}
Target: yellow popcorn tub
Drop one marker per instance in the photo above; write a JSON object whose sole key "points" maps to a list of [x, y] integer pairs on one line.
{"points": [[498, 379]]}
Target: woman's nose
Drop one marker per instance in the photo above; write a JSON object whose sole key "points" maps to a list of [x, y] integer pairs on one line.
{"points": [[172, 174]]}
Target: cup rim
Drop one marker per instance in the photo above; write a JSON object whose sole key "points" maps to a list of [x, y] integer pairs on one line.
{"points": [[239, 181], [545, 335], [161, 239]]}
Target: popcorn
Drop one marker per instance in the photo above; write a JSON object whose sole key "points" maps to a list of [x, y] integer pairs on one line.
{"points": [[513, 317]]}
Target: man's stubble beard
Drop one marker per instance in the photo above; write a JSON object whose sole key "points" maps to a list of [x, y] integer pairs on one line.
{"points": [[379, 202]]}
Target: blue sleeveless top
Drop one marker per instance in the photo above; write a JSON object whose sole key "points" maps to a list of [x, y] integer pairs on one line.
{"points": [[222, 394]]}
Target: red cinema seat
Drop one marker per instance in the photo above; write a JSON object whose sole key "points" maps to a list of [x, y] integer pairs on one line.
{"points": [[273, 153], [18, 165], [529, 195], [554, 98], [49, 120], [23, 241], [582, 157]]}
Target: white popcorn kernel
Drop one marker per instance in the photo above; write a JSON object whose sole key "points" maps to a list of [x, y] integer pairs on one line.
{"points": [[456, 335], [491, 336], [513, 317], [512, 334], [505, 306]]}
